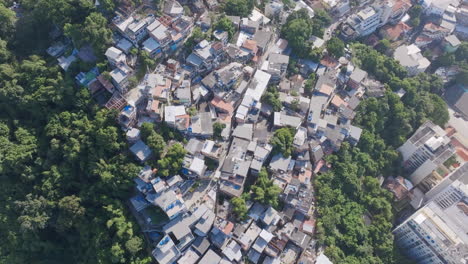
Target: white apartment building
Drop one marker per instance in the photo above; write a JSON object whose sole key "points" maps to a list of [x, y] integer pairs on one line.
{"points": [[366, 21], [115, 56], [273, 8], [412, 59], [438, 232], [369, 20], [438, 7], [424, 151]]}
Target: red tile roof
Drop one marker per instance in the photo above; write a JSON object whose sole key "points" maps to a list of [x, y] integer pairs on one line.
{"points": [[250, 45], [329, 62], [372, 40], [106, 83], [401, 4], [326, 89], [217, 45], [337, 101], [305, 176], [395, 31], [183, 120], [462, 153], [228, 228], [221, 104]]}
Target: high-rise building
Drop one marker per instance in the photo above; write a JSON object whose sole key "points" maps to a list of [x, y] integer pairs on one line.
{"points": [[381, 12], [424, 151], [438, 232]]}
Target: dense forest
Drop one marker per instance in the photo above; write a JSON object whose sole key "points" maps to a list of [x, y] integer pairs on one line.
{"points": [[64, 170], [355, 214]]}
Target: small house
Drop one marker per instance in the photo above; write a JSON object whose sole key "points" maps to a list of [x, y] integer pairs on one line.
{"points": [[141, 151], [115, 56]]}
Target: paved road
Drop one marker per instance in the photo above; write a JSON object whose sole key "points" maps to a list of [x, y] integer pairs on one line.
{"points": [[330, 30], [458, 123]]}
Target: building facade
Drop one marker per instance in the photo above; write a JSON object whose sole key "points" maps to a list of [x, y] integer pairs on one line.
{"points": [[437, 233], [427, 148]]}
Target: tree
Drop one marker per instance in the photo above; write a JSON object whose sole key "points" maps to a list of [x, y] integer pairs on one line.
{"points": [[439, 113], [335, 47], [146, 130], [107, 5], [316, 54], [171, 163], [320, 21], [192, 111], [462, 51], [310, 83], [241, 8], [225, 24], [5, 54], [462, 76], [271, 97], [146, 60], [107, 139], [239, 207], [415, 13], [156, 143], [7, 22], [117, 254], [282, 141], [218, 129], [293, 68], [70, 212], [383, 46], [343, 197], [62, 158], [196, 37], [322, 17], [94, 31], [445, 60], [134, 245], [414, 22], [297, 31], [265, 191], [34, 213], [295, 105]]}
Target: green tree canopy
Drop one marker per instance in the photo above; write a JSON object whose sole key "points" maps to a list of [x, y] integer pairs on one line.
{"points": [[320, 20], [241, 8], [282, 141], [64, 168], [415, 13], [419, 102], [171, 163], [70, 212], [271, 97], [239, 207], [34, 213], [7, 22], [344, 199], [265, 191], [310, 83], [156, 143], [218, 129], [297, 30], [335, 47], [94, 31], [225, 24], [383, 46]]}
